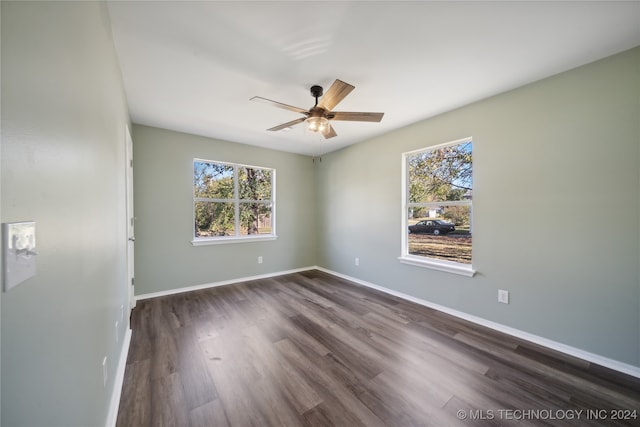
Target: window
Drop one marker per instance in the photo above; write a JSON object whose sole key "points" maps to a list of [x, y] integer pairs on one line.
{"points": [[437, 207], [232, 202]]}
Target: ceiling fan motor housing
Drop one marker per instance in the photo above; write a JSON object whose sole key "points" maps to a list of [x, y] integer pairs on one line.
{"points": [[316, 91]]}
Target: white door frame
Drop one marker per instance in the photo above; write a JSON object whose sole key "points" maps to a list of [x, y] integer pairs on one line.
{"points": [[130, 219]]}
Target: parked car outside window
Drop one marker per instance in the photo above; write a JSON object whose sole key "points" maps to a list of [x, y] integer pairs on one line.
{"points": [[432, 226]]}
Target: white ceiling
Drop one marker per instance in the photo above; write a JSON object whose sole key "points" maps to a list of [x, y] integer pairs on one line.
{"points": [[192, 66]]}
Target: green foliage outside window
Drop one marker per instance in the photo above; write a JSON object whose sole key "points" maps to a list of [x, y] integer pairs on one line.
{"points": [[443, 174], [232, 200]]}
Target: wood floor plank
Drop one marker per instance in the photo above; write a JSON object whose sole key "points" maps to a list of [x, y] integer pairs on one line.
{"points": [[363, 363], [312, 349], [315, 368], [136, 408], [234, 396], [208, 415], [199, 388], [300, 395], [164, 354], [571, 381], [168, 405]]}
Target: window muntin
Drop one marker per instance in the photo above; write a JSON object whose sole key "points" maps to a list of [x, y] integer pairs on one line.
{"points": [[232, 201], [437, 219]]}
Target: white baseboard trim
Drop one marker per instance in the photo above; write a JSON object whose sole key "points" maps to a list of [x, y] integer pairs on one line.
{"points": [[112, 416], [221, 283], [554, 345]]}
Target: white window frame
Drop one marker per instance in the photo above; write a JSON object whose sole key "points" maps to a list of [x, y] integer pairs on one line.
{"points": [[201, 241], [425, 262]]}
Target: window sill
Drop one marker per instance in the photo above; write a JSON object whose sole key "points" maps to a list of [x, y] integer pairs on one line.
{"points": [[226, 240], [448, 267]]}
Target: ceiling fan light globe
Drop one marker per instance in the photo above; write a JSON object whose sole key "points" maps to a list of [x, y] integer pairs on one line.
{"points": [[318, 124]]}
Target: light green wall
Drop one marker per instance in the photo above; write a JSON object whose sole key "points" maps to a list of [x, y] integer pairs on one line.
{"points": [[563, 151], [63, 127], [556, 209], [163, 192]]}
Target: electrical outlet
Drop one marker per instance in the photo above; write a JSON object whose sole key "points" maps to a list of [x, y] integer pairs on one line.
{"points": [[104, 372], [260, 259], [357, 261], [503, 296]]}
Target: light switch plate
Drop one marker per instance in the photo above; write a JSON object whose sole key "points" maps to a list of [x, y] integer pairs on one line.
{"points": [[19, 252]]}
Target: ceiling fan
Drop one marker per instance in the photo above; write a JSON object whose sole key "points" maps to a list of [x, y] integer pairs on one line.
{"points": [[318, 116]]}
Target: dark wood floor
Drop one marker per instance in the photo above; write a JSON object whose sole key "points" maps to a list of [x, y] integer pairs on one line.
{"points": [[311, 349]]}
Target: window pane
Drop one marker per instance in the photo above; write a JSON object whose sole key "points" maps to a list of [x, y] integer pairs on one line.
{"points": [[214, 219], [212, 180], [255, 218], [442, 174], [443, 233], [255, 183], [232, 200]]}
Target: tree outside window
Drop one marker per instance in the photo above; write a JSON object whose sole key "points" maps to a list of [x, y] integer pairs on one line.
{"points": [[232, 200]]}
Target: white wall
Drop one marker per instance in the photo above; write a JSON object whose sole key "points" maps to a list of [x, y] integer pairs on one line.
{"points": [[63, 127], [556, 209]]}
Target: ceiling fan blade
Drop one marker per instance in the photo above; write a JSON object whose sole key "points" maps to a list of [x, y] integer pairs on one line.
{"points": [[355, 116], [335, 94], [330, 133], [279, 105], [288, 124]]}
